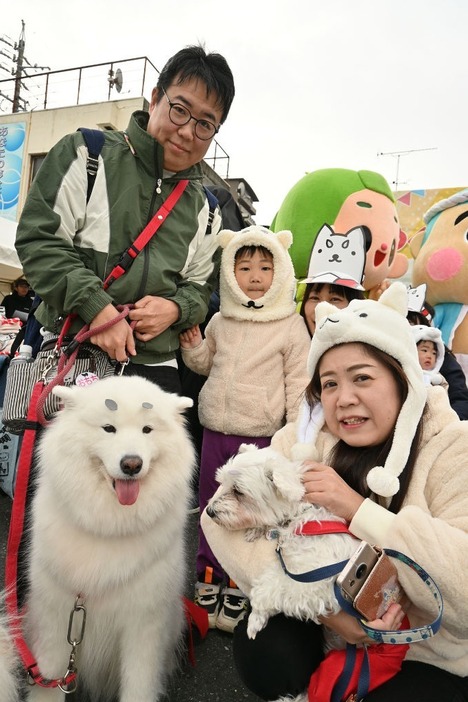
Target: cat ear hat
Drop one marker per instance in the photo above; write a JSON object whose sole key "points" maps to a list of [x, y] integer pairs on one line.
{"points": [[338, 259], [381, 324]]}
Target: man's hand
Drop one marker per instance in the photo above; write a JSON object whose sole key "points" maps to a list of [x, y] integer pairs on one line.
{"points": [[153, 315], [117, 341], [191, 338]]}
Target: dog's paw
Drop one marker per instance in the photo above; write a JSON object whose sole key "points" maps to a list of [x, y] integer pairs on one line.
{"points": [[255, 623], [254, 533]]}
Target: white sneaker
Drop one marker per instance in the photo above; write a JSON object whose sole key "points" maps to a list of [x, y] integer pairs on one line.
{"points": [[233, 609], [207, 595]]}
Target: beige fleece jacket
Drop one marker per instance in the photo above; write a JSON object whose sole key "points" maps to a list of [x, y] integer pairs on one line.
{"points": [[257, 373], [431, 528]]}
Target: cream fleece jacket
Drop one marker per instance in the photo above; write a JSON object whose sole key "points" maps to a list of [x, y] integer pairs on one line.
{"points": [[431, 528], [257, 374]]}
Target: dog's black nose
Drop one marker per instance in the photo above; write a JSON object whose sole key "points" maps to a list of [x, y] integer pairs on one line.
{"points": [[131, 465]]}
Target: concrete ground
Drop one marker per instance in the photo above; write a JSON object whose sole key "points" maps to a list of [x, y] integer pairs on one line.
{"points": [[214, 678]]}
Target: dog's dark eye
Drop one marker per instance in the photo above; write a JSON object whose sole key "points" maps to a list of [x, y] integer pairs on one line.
{"points": [[147, 429], [109, 428], [236, 492]]}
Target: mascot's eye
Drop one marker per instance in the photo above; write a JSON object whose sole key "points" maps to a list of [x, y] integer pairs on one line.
{"points": [[109, 428], [363, 314], [147, 429]]}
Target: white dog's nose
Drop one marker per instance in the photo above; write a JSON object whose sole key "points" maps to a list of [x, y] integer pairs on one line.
{"points": [[131, 465]]}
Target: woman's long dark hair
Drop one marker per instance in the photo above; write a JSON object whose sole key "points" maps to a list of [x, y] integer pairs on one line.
{"points": [[354, 462]]}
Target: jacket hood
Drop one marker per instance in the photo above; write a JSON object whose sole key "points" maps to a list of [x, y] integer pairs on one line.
{"points": [[421, 332], [278, 302]]}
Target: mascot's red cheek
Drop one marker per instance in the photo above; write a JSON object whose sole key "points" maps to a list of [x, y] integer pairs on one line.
{"points": [[444, 264]]}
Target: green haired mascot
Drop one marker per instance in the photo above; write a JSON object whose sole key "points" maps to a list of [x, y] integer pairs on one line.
{"points": [[344, 199]]}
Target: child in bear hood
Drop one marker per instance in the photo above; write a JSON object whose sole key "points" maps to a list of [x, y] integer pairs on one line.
{"points": [[255, 356]]}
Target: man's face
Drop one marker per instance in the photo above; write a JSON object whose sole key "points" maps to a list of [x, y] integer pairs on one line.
{"points": [[182, 148], [22, 289]]}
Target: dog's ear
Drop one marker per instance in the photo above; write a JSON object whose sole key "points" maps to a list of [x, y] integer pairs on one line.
{"points": [[243, 448], [66, 394], [183, 403], [287, 481]]}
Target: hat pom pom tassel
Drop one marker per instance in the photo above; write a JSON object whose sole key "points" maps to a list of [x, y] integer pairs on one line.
{"points": [[381, 481]]}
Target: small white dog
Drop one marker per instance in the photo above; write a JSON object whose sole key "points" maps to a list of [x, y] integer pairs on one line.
{"points": [[108, 522], [261, 491]]}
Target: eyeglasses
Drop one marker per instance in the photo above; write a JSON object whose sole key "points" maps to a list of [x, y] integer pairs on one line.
{"points": [[180, 115]]}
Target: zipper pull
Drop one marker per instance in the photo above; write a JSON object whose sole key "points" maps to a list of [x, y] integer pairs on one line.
{"points": [[158, 186]]}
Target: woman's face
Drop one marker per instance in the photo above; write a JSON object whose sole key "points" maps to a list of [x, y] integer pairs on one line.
{"points": [[325, 295], [359, 396]]}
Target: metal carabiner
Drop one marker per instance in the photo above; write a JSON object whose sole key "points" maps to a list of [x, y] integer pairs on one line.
{"points": [[78, 607]]}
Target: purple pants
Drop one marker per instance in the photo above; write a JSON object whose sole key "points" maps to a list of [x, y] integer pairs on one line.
{"points": [[217, 448]]}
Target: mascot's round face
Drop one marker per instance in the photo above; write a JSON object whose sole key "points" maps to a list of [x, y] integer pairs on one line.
{"points": [[377, 212], [442, 260]]}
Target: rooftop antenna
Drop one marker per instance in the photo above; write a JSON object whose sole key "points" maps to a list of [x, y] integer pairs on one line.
{"points": [[115, 80], [396, 182]]}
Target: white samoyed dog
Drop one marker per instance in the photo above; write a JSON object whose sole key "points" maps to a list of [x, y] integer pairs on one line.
{"points": [[108, 519], [261, 491]]}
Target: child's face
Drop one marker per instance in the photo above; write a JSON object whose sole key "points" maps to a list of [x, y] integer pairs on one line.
{"points": [[326, 294], [427, 353], [254, 274]]}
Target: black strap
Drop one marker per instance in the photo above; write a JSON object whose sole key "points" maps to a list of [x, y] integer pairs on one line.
{"points": [[212, 204], [94, 140]]}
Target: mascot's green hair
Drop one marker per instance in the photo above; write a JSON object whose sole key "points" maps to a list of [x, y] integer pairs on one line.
{"points": [[315, 200]]}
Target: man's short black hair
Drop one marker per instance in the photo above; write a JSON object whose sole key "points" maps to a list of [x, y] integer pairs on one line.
{"points": [[212, 69]]}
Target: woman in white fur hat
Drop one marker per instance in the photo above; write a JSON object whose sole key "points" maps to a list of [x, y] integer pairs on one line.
{"points": [[390, 457]]}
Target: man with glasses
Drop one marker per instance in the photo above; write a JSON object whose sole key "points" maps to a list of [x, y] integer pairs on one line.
{"points": [[68, 246]]}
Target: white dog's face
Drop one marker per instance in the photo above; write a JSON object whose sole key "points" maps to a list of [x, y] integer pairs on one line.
{"points": [[258, 488], [123, 440]]}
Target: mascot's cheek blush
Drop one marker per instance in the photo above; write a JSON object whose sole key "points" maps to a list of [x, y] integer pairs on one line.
{"points": [[444, 264]]}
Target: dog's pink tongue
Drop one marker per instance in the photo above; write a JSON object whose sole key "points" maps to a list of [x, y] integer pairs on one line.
{"points": [[127, 491]]}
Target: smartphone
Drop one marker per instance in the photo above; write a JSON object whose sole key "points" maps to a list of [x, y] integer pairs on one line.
{"points": [[370, 582], [354, 574]]}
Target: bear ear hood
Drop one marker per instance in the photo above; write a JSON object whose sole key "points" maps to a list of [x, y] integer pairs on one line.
{"points": [[278, 302], [381, 324]]}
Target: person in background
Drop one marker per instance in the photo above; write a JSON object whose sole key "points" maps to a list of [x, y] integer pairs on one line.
{"points": [[68, 246], [431, 352], [18, 302], [254, 354], [336, 271], [395, 472], [421, 313]]}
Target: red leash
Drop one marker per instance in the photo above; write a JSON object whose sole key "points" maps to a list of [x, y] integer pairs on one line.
{"points": [[14, 541]]}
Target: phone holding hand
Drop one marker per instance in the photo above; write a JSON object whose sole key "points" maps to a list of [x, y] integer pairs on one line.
{"points": [[370, 583]]}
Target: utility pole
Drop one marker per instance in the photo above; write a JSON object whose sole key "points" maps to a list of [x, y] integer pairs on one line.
{"points": [[19, 69], [396, 182]]}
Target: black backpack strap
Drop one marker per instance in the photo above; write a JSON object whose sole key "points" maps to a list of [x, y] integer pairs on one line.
{"points": [[94, 140], [212, 203]]}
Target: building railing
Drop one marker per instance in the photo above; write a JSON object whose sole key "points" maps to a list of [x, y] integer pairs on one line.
{"points": [[100, 82]]}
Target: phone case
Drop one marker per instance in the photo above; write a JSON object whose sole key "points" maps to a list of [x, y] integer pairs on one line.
{"points": [[354, 574], [380, 590]]}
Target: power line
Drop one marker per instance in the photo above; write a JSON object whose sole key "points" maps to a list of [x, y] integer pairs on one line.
{"points": [[19, 69]]}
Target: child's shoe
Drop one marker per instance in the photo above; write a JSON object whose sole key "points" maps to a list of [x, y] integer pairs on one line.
{"points": [[233, 609], [207, 595]]}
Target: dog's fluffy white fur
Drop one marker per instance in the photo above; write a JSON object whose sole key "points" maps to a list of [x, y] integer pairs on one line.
{"points": [[260, 491], [108, 522]]}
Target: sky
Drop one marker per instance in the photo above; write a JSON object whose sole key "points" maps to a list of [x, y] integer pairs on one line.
{"points": [[360, 84]]}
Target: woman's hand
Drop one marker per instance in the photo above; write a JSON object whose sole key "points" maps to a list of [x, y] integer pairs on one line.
{"points": [[323, 486], [153, 315], [117, 341], [350, 630]]}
